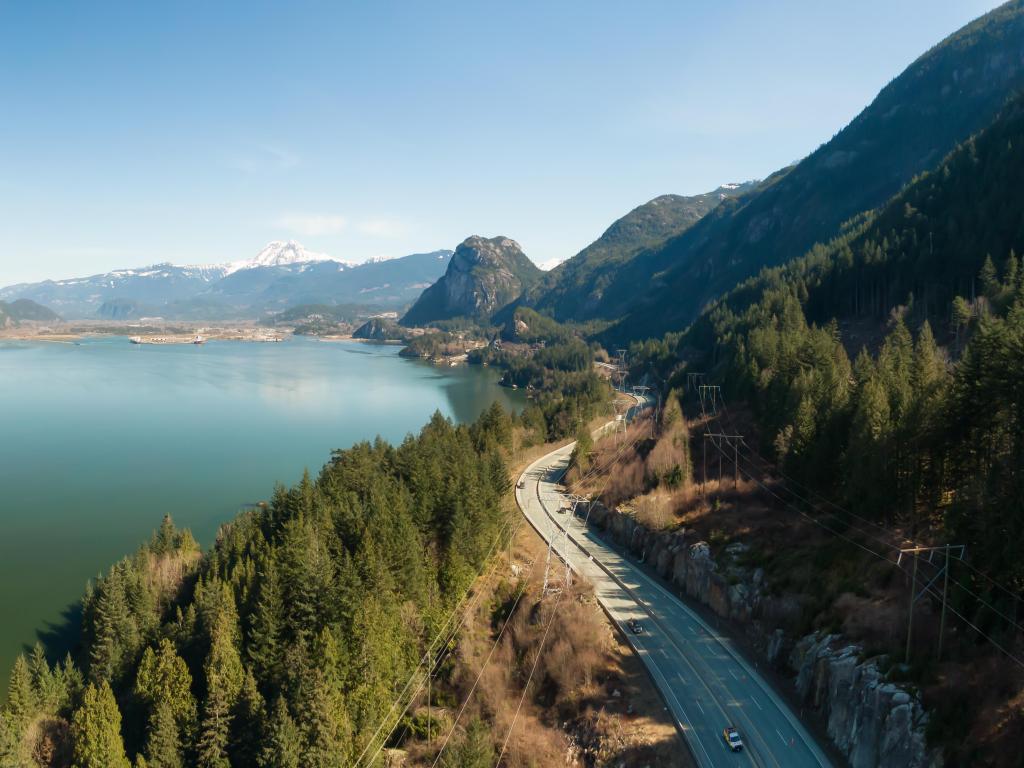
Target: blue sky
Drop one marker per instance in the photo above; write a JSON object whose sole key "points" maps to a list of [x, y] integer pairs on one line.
{"points": [[195, 132]]}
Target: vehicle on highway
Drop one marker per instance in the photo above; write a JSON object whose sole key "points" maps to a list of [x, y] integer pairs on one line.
{"points": [[732, 738], [635, 626]]}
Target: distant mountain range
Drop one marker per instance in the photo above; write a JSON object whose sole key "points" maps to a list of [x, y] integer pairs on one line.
{"points": [[23, 310], [282, 275]]}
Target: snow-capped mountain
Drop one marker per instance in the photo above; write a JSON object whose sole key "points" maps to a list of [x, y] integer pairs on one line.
{"points": [[283, 274], [280, 253]]}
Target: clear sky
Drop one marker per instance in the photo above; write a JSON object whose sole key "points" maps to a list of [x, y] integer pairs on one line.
{"points": [[195, 132]]}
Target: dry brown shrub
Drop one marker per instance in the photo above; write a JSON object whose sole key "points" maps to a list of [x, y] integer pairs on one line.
{"points": [[655, 511], [625, 482], [48, 740]]}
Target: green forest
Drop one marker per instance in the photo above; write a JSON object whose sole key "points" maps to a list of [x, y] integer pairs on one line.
{"points": [[886, 368], [285, 644]]}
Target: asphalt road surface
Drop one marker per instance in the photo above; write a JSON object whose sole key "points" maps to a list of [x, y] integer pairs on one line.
{"points": [[704, 680]]}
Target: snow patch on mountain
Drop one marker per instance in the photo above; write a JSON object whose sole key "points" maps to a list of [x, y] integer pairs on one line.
{"points": [[280, 253]]}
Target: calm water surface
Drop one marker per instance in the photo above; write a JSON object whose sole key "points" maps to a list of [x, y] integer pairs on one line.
{"points": [[98, 441]]}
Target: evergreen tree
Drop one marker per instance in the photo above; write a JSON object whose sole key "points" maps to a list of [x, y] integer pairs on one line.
{"points": [[474, 750], [163, 679], [989, 278], [22, 703], [10, 742], [283, 744], [163, 743], [224, 679], [264, 647], [96, 730], [248, 725], [44, 682]]}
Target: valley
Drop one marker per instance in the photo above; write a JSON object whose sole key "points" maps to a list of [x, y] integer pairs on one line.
{"points": [[741, 482]]}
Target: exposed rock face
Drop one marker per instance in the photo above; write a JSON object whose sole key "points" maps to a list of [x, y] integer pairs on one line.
{"points": [[873, 722], [482, 277], [876, 724], [378, 329]]}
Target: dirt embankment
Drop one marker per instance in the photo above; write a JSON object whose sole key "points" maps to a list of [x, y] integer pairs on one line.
{"points": [[829, 616], [558, 686]]}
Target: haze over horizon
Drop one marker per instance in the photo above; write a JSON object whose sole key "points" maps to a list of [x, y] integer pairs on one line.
{"points": [[198, 134]]}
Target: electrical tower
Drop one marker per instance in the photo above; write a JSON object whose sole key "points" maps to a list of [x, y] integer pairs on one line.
{"points": [[722, 442], [710, 394], [947, 551], [694, 380], [621, 368]]}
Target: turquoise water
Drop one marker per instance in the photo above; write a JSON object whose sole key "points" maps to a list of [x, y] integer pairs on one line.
{"points": [[99, 440]]}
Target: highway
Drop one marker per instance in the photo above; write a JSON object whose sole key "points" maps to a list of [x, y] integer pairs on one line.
{"points": [[704, 680]]}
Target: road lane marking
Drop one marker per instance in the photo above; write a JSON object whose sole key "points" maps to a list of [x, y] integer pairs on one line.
{"points": [[754, 699], [782, 738], [618, 567], [734, 675], [699, 706]]}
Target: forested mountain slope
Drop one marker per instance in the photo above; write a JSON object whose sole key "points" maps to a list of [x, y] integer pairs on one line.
{"points": [[924, 430], [576, 286], [949, 93]]}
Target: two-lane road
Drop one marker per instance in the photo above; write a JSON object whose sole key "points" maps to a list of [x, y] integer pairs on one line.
{"points": [[703, 678]]}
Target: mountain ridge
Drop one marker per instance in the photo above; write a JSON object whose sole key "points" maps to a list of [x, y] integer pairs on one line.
{"points": [[281, 275], [643, 227], [948, 93]]}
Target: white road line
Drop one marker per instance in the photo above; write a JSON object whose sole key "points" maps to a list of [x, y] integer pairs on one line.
{"points": [[621, 570], [733, 673]]}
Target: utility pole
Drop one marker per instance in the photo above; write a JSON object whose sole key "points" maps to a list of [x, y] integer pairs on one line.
{"points": [[957, 551], [704, 474], [910, 617], [430, 677], [694, 380], [714, 391], [730, 441]]}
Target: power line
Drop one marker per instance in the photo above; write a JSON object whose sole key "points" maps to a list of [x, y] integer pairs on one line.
{"points": [[442, 631], [465, 703], [529, 679], [929, 588], [1016, 596]]}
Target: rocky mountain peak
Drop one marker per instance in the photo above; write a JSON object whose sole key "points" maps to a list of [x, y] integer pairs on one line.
{"points": [[484, 275]]}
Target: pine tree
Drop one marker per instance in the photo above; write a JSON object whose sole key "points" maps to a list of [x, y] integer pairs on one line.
{"points": [[282, 746], [163, 743], [96, 730], [224, 679], [45, 684], [248, 725], [323, 719], [474, 750], [70, 683], [989, 278], [163, 678], [21, 696], [10, 743], [264, 647]]}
